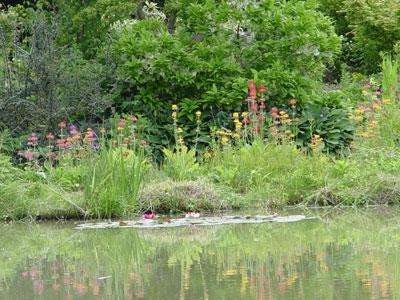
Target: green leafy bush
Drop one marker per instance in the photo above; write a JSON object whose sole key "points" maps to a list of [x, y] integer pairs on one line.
{"points": [[331, 124], [204, 62], [368, 28]]}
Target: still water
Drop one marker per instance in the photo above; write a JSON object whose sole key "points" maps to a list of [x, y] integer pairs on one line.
{"points": [[346, 254]]}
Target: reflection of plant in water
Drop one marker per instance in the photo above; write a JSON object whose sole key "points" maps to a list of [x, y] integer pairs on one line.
{"points": [[350, 256]]}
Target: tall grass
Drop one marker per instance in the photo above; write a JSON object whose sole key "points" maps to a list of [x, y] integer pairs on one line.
{"points": [[180, 164], [271, 173], [390, 77], [112, 182]]}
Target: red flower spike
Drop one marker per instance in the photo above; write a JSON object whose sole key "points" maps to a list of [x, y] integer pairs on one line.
{"points": [[252, 89], [254, 107], [260, 117], [121, 123], [274, 110], [50, 136], [274, 115]]}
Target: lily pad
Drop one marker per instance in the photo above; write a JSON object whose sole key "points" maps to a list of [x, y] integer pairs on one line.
{"points": [[204, 221]]}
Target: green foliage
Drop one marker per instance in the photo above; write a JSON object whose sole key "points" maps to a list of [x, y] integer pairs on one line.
{"points": [[351, 85], [180, 164], [387, 134], [390, 78], [24, 194], [202, 65], [8, 172], [375, 26], [112, 181], [87, 23], [331, 124], [292, 45], [273, 174], [177, 70], [67, 173], [42, 83]]}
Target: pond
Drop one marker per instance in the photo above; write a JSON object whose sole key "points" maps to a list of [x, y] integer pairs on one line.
{"points": [[345, 254]]}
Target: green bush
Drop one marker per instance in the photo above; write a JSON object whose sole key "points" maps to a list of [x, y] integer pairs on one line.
{"points": [[159, 68], [204, 63], [332, 124], [43, 83]]}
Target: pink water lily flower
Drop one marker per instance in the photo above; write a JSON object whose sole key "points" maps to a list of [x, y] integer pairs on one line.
{"points": [[192, 215], [149, 216]]}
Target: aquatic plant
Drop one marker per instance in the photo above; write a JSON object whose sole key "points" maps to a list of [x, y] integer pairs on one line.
{"points": [[112, 181]]}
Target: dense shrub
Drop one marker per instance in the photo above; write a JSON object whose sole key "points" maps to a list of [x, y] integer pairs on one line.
{"points": [[368, 28], [203, 63], [331, 124], [42, 83], [375, 25]]}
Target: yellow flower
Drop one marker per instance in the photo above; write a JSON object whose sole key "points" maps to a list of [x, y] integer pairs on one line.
{"points": [[198, 114], [245, 114], [359, 110], [316, 140], [224, 140], [206, 155], [235, 115], [179, 130], [373, 124], [376, 106], [357, 118], [236, 135], [220, 132], [386, 101], [238, 126], [174, 115], [174, 107]]}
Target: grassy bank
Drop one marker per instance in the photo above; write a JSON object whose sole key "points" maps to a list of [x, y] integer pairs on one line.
{"points": [[266, 158], [118, 182]]}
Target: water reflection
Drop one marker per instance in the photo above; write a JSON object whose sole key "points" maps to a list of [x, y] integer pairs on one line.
{"points": [[349, 255]]}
